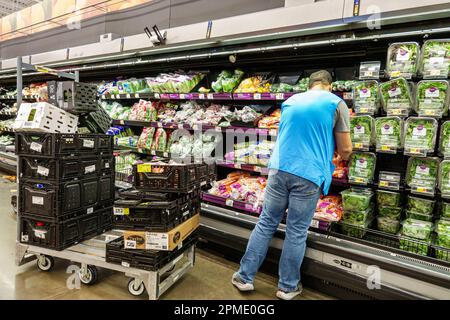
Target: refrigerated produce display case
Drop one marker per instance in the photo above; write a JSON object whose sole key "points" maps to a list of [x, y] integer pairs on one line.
{"points": [[388, 238]]}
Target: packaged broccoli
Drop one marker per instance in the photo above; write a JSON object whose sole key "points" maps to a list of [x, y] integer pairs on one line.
{"points": [[422, 174], [355, 229], [365, 97], [445, 210], [417, 229], [361, 132], [362, 168], [444, 178], [356, 199], [402, 60], [435, 62], [388, 225], [393, 213], [420, 136], [432, 98], [388, 198], [420, 205], [388, 134], [415, 246], [444, 143], [396, 97], [418, 216]]}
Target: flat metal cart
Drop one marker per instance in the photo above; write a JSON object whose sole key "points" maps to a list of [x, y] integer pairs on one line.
{"points": [[91, 254]]}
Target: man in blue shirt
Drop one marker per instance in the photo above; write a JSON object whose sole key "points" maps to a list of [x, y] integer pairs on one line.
{"points": [[313, 125]]}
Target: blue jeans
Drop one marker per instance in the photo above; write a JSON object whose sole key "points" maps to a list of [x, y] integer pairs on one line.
{"points": [[299, 196]]}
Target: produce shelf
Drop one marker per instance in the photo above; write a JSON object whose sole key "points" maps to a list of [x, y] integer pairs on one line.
{"points": [[200, 96], [28, 97], [224, 202], [243, 166]]}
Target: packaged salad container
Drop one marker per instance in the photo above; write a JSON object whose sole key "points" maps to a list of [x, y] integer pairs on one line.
{"points": [[403, 59], [420, 247], [396, 97], [444, 178], [432, 98], [355, 229], [388, 225], [361, 132], [366, 97], [418, 216], [358, 216], [417, 229], [420, 205], [388, 134], [445, 210], [420, 136], [444, 142], [422, 174], [393, 213], [443, 226], [388, 198], [435, 60], [356, 199], [443, 240], [361, 168]]}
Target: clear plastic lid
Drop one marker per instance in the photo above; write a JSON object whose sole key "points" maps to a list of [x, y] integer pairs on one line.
{"points": [[356, 199], [417, 229], [388, 225], [403, 59], [435, 59], [418, 216], [389, 180], [420, 205], [389, 134], [444, 178], [362, 132], [358, 216], [432, 98], [388, 198], [390, 212], [420, 135], [396, 97], [366, 97], [444, 143], [443, 226], [422, 175], [361, 168]]}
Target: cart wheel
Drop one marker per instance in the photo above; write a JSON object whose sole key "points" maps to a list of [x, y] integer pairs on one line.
{"points": [[134, 289], [45, 263], [90, 277]]}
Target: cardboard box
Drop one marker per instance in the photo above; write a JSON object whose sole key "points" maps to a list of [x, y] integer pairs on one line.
{"points": [[44, 117], [163, 241]]}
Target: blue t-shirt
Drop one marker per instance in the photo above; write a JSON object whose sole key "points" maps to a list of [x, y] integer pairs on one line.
{"points": [[305, 143]]}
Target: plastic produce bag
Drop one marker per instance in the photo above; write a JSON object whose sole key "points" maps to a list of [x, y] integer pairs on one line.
{"points": [[362, 167], [329, 208], [402, 60], [365, 97], [420, 136], [436, 59], [389, 133], [361, 132], [146, 139], [396, 97], [432, 98], [422, 174]]}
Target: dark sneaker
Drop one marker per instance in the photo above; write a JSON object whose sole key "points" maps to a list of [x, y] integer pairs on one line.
{"points": [[283, 295], [240, 284]]}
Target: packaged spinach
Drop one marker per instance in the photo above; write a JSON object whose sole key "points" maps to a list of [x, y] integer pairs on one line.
{"points": [[418, 216], [362, 168], [365, 97], [435, 62], [388, 225], [444, 143], [388, 198], [402, 60], [396, 97], [432, 98], [417, 229], [393, 213], [361, 132], [422, 174], [356, 199], [420, 136], [388, 133]]}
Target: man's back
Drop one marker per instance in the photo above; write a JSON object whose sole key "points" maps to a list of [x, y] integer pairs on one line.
{"points": [[305, 143]]}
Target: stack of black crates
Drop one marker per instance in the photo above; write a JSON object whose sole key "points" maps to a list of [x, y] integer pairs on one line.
{"points": [[165, 196]]}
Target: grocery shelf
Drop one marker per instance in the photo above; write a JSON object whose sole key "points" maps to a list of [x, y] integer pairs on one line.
{"points": [[240, 205], [243, 166], [27, 97]]}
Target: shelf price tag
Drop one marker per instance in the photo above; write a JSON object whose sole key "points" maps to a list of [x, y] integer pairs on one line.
{"points": [[103, 96], [279, 96], [237, 166], [229, 202], [383, 184], [201, 96], [180, 126], [358, 145], [128, 96], [218, 129], [273, 132], [182, 96], [121, 211], [165, 155], [195, 127], [315, 224], [144, 168], [122, 122], [369, 70], [157, 96], [159, 124], [257, 96], [136, 95], [210, 96]]}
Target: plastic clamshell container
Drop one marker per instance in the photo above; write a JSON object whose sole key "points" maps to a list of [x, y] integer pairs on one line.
{"points": [[393, 213], [443, 243], [417, 229], [444, 179], [362, 132], [443, 226], [356, 199], [388, 198], [388, 225], [357, 216], [432, 98], [396, 97], [403, 59], [445, 210], [362, 167], [356, 229], [418, 216], [366, 97], [444, 143], [422, 175], [420, 205], [435, 59], [420, 135], [389, 134]]}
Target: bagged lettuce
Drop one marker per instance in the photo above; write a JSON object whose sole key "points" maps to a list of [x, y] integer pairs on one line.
{"points": [[159, 141], [388, 132], [365, 97], [402, 60], [146, 138], [432, 98], [396, 97], [361, 167], [436, 59], [420, 135], [422, 174]]}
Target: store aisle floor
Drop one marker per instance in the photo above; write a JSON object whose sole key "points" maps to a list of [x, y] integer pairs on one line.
{"points": [[209, 279]]}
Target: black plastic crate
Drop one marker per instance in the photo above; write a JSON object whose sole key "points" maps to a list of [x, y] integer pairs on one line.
{"points": [[152, 216], [61, 144], [52, 234], [146, 195], [97, 121], [61, 169], [164, 177], [151, 260], [73, 97], [53, 199]]}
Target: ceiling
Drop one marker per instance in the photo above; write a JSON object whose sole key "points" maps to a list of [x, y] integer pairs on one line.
{"points": [[10, 6]]}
